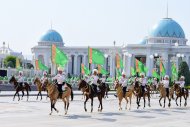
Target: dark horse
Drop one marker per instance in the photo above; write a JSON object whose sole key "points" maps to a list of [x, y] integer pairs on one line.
{"points": [[89, 93], [139, 93], [20, 88], [179, 93]]}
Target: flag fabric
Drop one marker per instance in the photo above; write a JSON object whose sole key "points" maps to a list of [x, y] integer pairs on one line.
{"points": [[119, 61], [41, 66], [140, 67], [17, 63], [133, 72], [174, 72], [95, 56], [58, 56], [162, 69], [102, 70], [155, 74], [84, 70], [118, 74]]}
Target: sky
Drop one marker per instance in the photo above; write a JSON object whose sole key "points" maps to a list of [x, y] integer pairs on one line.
{"points": [[86, 22]]}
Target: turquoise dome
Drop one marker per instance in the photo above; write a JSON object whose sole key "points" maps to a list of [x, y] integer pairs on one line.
{"points": [[51, 36], [143, 41], [167, 27]]}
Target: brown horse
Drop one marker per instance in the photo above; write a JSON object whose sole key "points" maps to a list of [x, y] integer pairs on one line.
{"points": [[180, 94], [54, 95], [139, 93], [163, 94], [20, 88], [128, 94], [40, 87], [89, 93]]}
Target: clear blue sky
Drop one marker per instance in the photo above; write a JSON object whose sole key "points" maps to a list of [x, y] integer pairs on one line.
{"points": [[85, 22]]}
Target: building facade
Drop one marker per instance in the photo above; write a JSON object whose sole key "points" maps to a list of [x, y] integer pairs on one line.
{"points": [[166, 42]]}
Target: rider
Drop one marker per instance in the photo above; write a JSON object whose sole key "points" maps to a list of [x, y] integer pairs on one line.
{"points": [[60, 77], [20, 79], [166, 84], [182, 83], [44, 79], [86, 78], [123, 82], [143, 82], [95, 79]]}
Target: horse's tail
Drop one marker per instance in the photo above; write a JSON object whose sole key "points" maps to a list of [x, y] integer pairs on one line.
{"points": [[29, 88], [72, 95], [187, 92]]}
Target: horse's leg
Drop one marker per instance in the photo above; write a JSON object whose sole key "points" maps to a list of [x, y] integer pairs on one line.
{"points": [[144, 101], [120, 108], [126, 102], [180, 101], [51, 108], [149, 100], [22, 94], [18, 96], [41, 94], [67, 99], [37, 95], [65, 105], [160, 101], [164, 102], [85, 103], [92, 104], [27, 94], [176, 100], [169, 104], [54, 106], [15, 95], [185, 97], [47, 95], [100, 100]]}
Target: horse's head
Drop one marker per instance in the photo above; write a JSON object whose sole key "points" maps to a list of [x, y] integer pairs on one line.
{"points": [[82, 83], [137, 86], [36, 80], [176, 87], [160, 86], [116, 84], [12, 80]]}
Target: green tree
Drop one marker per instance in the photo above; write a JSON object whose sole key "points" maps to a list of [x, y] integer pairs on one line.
{"points": [[10, 61], [184, 71]]}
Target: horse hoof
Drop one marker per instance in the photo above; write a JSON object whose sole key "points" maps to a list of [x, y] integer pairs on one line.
{"points": [[57, 111], [50, 113], [85, 110]]}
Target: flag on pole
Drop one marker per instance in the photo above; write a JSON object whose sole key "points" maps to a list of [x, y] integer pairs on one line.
{"points": [[118, 74], [58, 56], [40, 66], [133, 72], [140, 67], [102, 70], [162, 69], [95, 56], [17, 63], [174, 72], [119, 62], [84, 70], [155, 74]]}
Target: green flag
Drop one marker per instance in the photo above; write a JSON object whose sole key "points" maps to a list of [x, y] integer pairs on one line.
{"points": [[174, 72], [41, 66], [140, 67], [95, 56], [101, 70], [118, 74], [133, 72], [162, 69], [155, 74], [58, 56], [84, 70]]}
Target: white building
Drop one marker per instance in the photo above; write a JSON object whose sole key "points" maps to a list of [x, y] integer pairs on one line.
{"points": [[166, 41], [6, 51]]}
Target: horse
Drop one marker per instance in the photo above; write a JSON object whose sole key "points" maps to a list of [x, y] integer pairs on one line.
{"points": [[179, 93], [120, 96], [40, 87], [139, 93], [106, 90], [90, 93], [53, 94], [163, 94], [20, 88]]}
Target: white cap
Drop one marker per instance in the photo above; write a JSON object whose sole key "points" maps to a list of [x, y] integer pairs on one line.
{"points": [[20, 72], [44, 73], [123, 73], [182, 77], [142, 74], [104, 75], [60, 69], [166, 76], [95, 70]]}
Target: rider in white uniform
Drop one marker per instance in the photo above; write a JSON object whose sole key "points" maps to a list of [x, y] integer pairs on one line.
{"points": [[123, 82], [182, 83], [166, 83], [44, 78], [60, 77], [20, 79], [95, 79], [143, 82]]}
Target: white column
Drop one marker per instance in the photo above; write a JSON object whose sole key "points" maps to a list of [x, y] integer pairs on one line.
{"points": [[84, 59], [187, 59], [148, 64], [128, 66], [75, 64], [111, 69]]}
